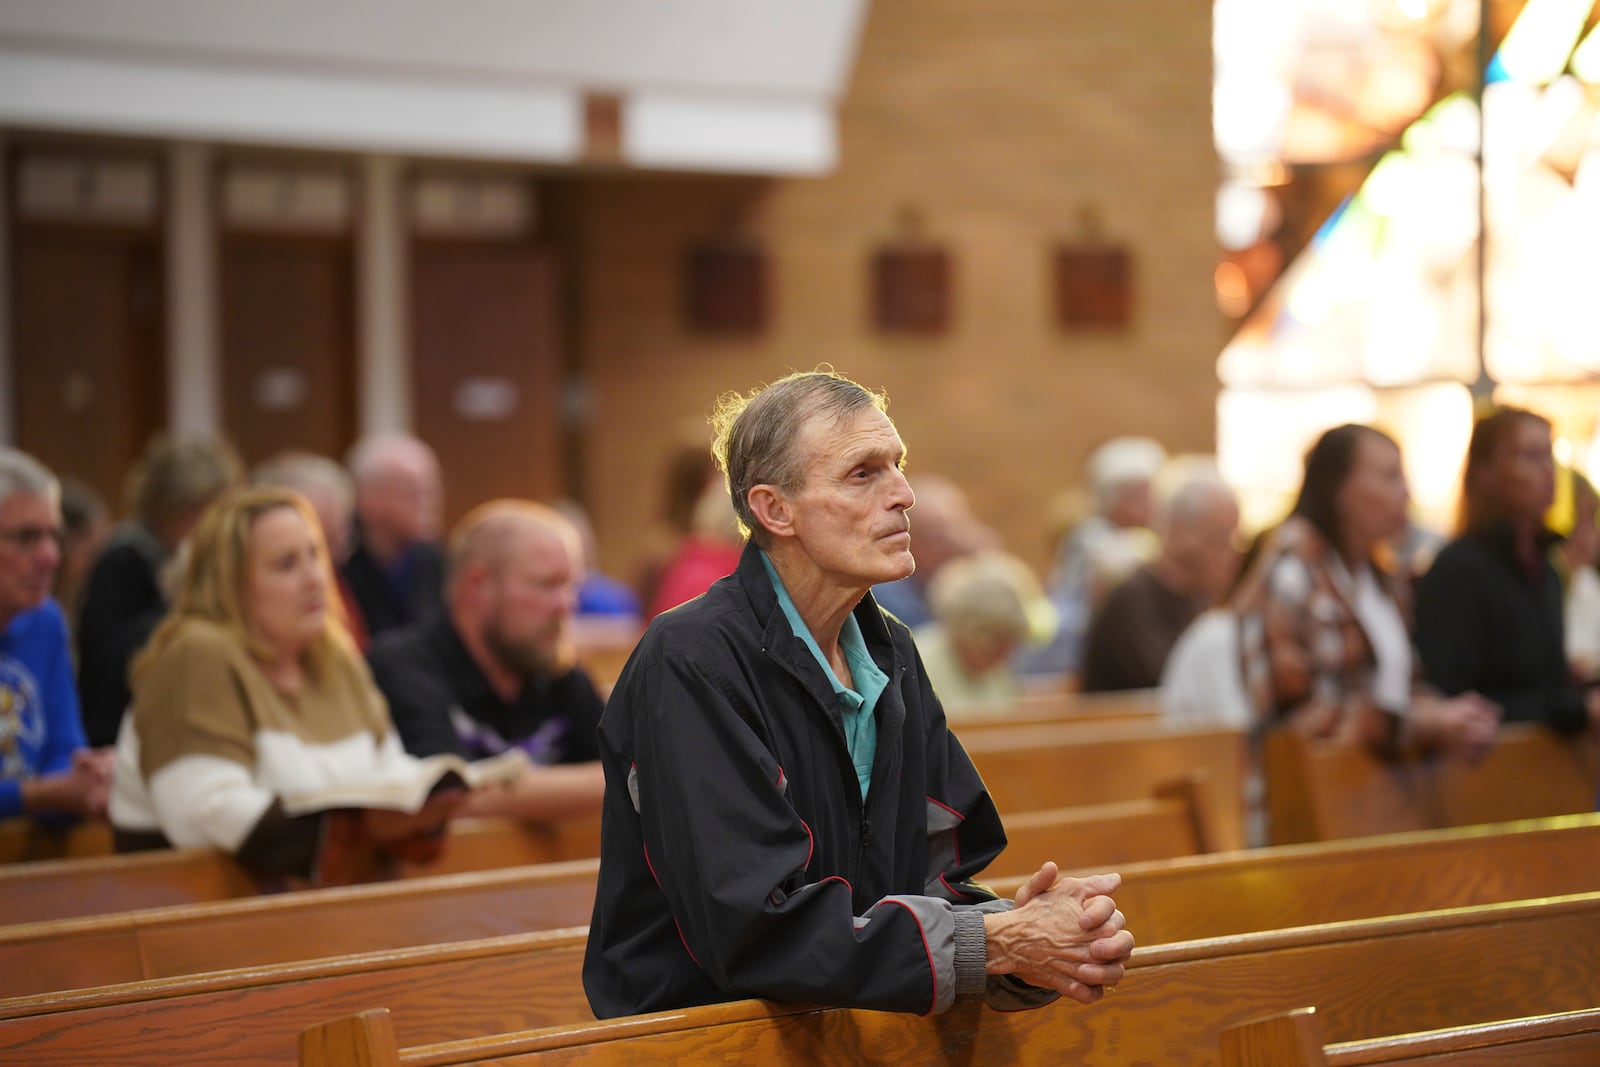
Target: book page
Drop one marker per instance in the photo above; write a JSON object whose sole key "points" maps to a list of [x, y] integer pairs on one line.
{"points": [[408, 789]]}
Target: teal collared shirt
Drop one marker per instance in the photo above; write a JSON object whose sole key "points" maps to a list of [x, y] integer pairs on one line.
{"points": [[856, 706]]}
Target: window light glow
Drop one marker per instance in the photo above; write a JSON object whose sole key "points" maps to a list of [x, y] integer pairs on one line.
{"points": [[1540, 42]]}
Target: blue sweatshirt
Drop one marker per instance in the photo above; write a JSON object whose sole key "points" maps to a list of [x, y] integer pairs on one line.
{"points": [[40, 726]]}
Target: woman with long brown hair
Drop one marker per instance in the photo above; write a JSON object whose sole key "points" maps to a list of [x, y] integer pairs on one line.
{"points": [[1324, 639], [1489, 610]]}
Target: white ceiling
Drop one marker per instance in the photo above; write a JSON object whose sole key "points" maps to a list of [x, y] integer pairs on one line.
{"points": [[705, 84]]}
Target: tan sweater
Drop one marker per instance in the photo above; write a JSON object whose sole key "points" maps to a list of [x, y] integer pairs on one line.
{"points": [[210, 746]]}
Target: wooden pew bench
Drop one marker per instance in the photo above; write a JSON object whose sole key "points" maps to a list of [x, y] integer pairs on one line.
{"points": [[1045, 708], [61, 889], [189, 939], [1028, 769], [23, 840], [251, 1015], [58, 889], [1428, 970], [1298, 885], [1172, 823], [342, 984], [1166, 901], [1034, 768], [1294, 1039], [1320, 792], [222, 935]]}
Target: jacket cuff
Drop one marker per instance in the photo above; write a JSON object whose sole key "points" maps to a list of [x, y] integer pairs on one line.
{"points": [[972, 952]]}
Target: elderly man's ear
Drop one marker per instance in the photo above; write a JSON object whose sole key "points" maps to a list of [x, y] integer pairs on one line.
{"points": [[773, 510]]}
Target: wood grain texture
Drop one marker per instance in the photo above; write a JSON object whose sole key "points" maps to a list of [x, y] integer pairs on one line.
{"points": [[1293, 1039], [365, 1040], [254, 1016], [1379, 976], [1321, 792], [170, 942], [1029, 768]]}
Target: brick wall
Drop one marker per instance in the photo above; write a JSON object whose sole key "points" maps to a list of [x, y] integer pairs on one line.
{"points": [[999, 122]]}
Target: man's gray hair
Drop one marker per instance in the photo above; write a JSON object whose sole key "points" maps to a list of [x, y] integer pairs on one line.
{"points": [[306, 472], [20, 473], [372, 458], [756, 433], [1186, 489], [1120, 462]]}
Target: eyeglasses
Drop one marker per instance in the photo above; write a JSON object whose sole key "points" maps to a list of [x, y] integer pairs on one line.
{"points": [[30, 538]]}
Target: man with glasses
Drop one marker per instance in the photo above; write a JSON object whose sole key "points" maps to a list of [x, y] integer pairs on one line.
{"points": [[44, 764]]}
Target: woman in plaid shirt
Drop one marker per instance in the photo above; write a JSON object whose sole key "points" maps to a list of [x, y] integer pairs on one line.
{"points": [[1324, 635]]}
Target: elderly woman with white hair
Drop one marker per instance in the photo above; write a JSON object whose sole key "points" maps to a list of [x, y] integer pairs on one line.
{"points": [[1101, 547], [986, 607]]}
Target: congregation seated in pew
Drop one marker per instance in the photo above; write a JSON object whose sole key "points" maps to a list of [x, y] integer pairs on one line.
{"points": [[1324, 640], [250, 692], [494, 670]]}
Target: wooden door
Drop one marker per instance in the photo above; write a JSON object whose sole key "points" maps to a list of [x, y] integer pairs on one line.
{"points": [[287, 335], [89, 348], [486, 368]]}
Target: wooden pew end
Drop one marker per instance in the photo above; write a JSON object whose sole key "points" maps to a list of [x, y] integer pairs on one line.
{"points": [[364, 1040], [1291, 1039]]}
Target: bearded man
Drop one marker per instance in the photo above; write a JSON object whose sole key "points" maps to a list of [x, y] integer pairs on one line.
{"points": [[494, 670]]}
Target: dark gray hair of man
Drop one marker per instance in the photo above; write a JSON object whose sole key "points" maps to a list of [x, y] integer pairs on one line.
{"points": [[306, 472], [1188, 487], [21, 474], [757, 433]]}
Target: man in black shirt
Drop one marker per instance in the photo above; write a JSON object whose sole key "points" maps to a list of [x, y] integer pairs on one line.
{"points": [[494, 669], [393, 569]]}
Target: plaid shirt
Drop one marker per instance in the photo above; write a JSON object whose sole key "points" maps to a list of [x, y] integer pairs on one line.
{"points": [[1305, 658]]}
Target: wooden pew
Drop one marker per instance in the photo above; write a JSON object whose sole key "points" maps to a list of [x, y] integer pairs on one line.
{"points": [[351, 983], [1435, 969], [1168, 901], [1299, 885], [22, 840], [52, 889], [1294, 1039], [1319, 792], [1034, 768], [490, 844], [1172, 823], [61, 889], [1029, 768], [251, 1015], [167, 942], [192, 939], [1044, 708]]}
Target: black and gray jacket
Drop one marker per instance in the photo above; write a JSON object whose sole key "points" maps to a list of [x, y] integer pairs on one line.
{"points": [[738, 858]]}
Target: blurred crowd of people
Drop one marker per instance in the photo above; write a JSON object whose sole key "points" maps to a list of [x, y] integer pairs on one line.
{"points": [[237, 641]]}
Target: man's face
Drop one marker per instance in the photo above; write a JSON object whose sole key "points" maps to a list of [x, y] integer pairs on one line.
{"points": [[1206, 547], [405, 501], [850, 517], [535, 593], [30, 551]]}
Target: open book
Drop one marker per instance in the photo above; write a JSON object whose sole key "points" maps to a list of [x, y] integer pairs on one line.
{"points": [[411, 783]]}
